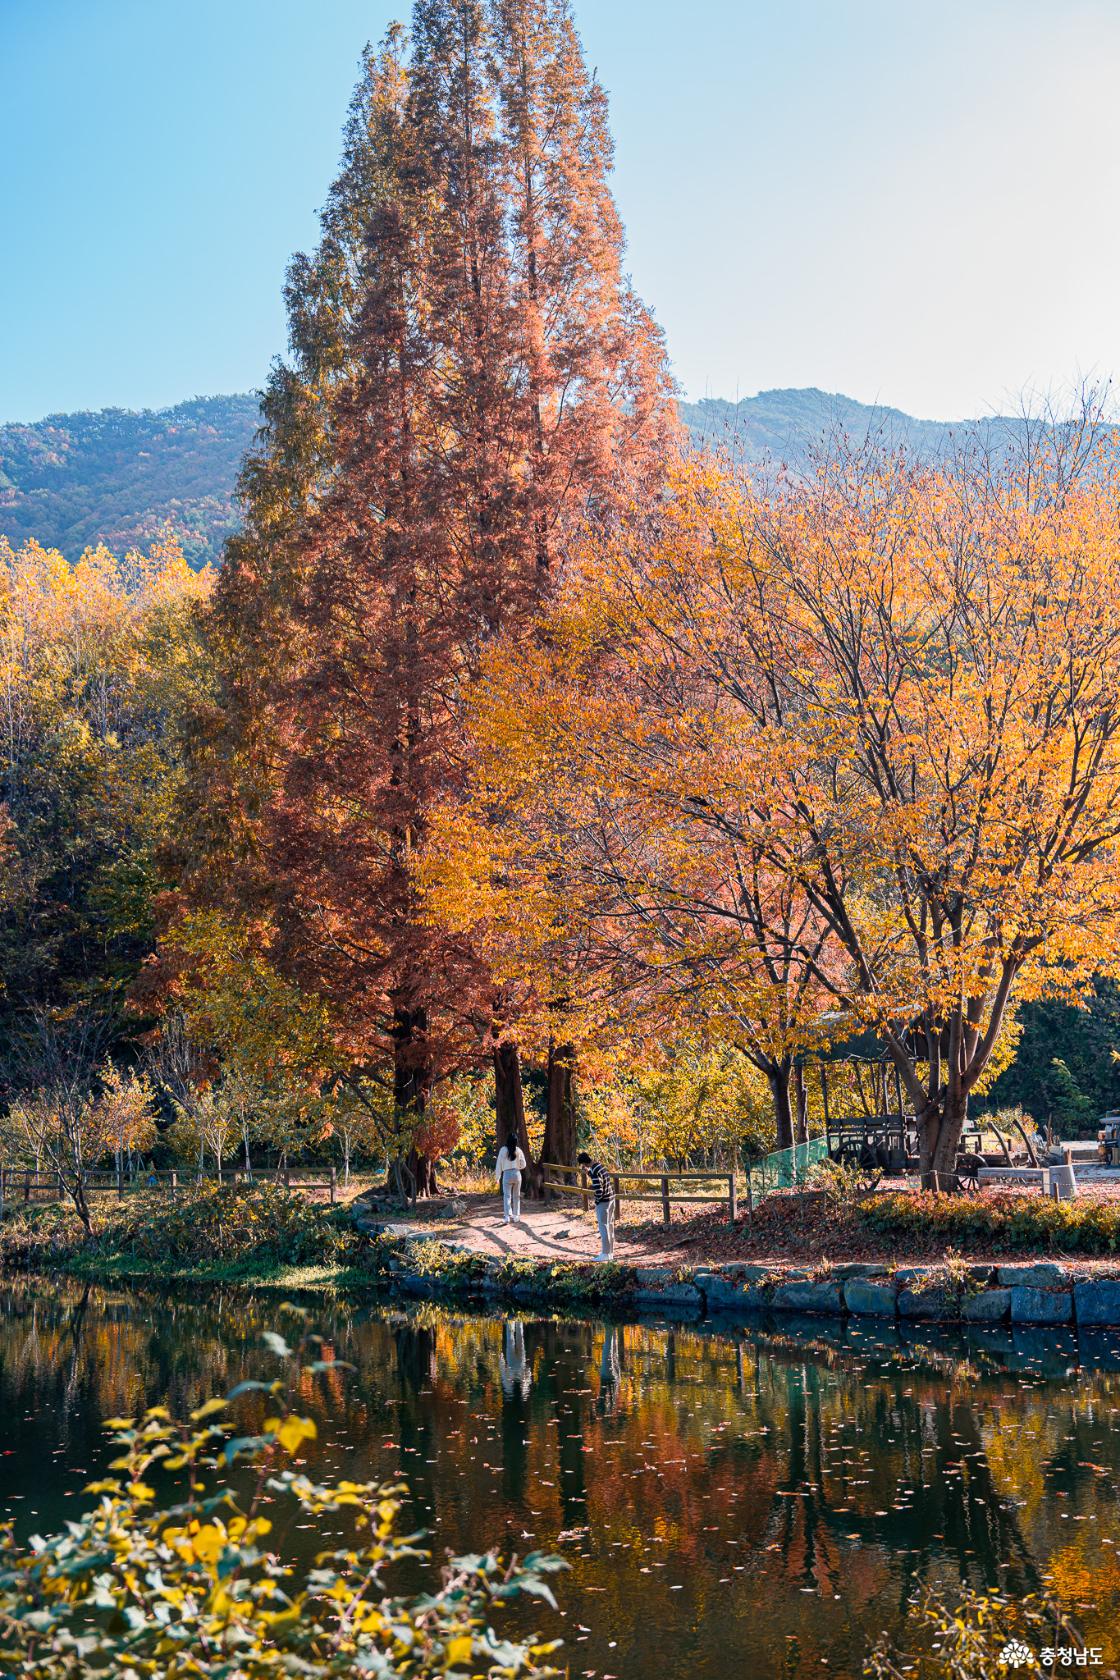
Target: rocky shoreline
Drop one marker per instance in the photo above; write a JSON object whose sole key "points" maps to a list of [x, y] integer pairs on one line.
{"points": [[1037, 1293]]}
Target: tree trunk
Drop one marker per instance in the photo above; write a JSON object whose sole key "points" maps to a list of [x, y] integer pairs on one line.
{"points": [[412, 1082], [509, 1097], [422, 1173], [559, 1147], [778, 1073], [940, 1136], [801, 1104], [81, 1205]]}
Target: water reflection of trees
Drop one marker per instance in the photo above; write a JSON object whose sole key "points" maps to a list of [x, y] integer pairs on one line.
{"points": [[749, 1472]]}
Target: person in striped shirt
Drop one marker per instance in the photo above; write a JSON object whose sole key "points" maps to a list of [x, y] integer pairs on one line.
{"points": [[604, 1202]]}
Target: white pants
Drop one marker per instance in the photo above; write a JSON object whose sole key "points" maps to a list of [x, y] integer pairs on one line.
{"points": [[604, 1213], [511, 1194]]}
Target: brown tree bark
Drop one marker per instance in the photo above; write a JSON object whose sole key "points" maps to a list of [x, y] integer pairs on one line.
{"points": [[509, 1098], [412, 1172], [559, 1147], [940, 1129], [778, 1074], [801, 1104]]}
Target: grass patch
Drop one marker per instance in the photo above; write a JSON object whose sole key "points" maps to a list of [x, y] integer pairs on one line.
{"points": [[324, 1280]]}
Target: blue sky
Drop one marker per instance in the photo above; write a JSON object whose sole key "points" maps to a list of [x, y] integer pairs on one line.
{"points": [[914, 203]]}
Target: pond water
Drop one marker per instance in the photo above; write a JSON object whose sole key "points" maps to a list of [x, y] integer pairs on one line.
{"points": [[753, 1503]]}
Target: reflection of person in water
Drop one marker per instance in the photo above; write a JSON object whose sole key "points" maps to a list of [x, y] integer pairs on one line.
{"points": [[512, 1364], [610, 1368]]}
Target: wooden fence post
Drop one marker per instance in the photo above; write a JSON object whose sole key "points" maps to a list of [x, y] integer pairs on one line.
{"points": [[732, 1197], [583, 1183], [27, 1185], [666, 1217], [334, 1183], [617, 1195]]}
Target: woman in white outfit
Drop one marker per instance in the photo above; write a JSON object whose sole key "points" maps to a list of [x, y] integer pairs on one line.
{"points": [[511, 1164]]}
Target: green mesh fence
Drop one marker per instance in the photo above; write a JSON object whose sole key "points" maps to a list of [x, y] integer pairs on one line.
{"points": [[786, 1168]]}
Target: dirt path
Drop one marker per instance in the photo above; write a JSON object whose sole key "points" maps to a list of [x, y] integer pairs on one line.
{"points": [[542, 1234], [785, 1230], [567, 1233]]}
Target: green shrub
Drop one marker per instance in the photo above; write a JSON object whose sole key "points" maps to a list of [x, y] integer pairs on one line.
{"points": [[568, 1283], [999, 1222], [201, 1224], [234, 1222], [177, 1572]]}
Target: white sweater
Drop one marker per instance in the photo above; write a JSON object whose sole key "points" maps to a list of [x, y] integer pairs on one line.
{"points": [[510, 1163]]}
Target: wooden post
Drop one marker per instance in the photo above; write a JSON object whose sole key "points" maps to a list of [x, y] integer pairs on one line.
{"points": [[750, 1196], [583, 1183], [287, 1177], [334, 1183], [665, 1215], [174, 1181], [27, 1185], [732, 1198], [617, 1196]]}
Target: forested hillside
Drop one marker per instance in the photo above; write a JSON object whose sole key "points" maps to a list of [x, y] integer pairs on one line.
{"points": [[784, 426], [120, 477], [73, 480]]}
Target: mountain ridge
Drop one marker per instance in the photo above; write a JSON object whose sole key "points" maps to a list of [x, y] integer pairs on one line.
{"points": [[124, 476], [784, 423]]}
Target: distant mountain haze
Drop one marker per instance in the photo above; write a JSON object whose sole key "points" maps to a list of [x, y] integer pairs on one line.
{"points": [[124, 478], [786, 426]]}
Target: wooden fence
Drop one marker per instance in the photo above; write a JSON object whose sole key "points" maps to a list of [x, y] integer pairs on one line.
{"points": [[560, 1180], [19, 1185]]}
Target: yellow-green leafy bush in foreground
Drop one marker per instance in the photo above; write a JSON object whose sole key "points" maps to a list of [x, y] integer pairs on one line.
{"points": [[174, 1573]]}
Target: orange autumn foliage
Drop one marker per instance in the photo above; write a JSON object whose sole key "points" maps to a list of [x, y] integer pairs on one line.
{"points": [[845, 754]]}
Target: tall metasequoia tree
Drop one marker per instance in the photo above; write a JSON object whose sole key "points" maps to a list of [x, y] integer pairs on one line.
{"points": [[470, 375]]}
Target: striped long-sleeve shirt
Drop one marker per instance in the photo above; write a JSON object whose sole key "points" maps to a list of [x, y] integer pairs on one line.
{"points": [[600, 1183]]}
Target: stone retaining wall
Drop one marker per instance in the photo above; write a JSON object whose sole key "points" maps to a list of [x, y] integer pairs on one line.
{"points": [[1027, 1293]]}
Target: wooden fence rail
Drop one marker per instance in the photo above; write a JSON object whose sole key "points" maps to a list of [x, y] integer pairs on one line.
{"points": [[25, 1185], [557, 1179]]}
